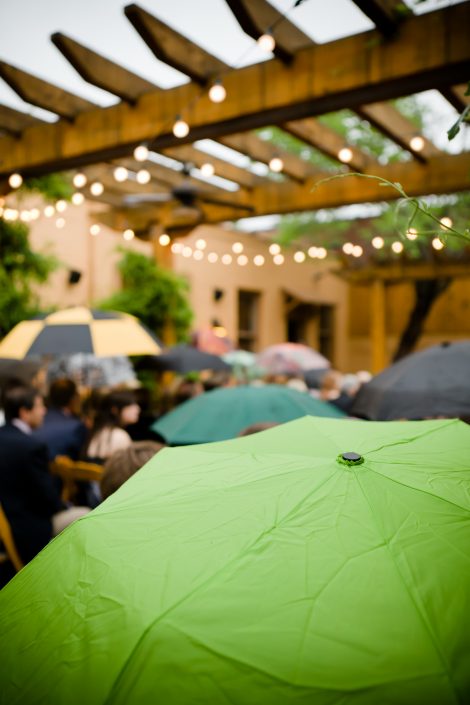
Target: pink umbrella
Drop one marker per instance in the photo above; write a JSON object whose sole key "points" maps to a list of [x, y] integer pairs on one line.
{"points": [[291, 357]]}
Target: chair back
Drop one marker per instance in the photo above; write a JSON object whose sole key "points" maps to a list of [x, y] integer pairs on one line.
{"points": [[6, 538], [70, 471]]}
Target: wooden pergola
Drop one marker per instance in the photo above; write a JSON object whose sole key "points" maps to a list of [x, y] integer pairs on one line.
{"points": [[303, 81], [362, 73]]}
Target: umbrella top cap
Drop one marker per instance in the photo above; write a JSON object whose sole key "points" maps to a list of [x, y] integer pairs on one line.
{"points": [[350, 458]]}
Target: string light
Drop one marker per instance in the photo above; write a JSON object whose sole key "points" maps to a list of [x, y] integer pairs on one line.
{"points": [[201, 244], [417, 143], [411, 233], [212, 257], [397, 247], [378, 242], [49, 211], [180, 128], [242, 260], [79, 180], [437, 244], [299, 256], [274, 249], [96, 188], [348, 248], [276, 164], [77, 199], [207, 169], [217, 92], [15, 180], [10, 214], [278, 259], [345, 155], [266, 42], [312, 251], [60, 222], [120, 174], [141, 153], [187, 251], [176, 248], [61, 206], [446, 222], [237, 247], [25, 216], [198, 254], [143, 176], [357, 251], [128, 234], [34, 213], [258, 260], [95, 229], [164, 239], [322, 253], [227, 259]]}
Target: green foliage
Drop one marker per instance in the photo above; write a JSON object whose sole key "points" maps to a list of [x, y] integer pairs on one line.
{"points": [[52, 186], [156, 296], [19, 268]]}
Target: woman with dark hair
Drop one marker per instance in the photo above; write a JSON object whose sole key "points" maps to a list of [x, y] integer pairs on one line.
{"points": [[116, 410]]}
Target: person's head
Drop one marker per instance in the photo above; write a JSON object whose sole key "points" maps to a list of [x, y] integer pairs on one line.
{"points": [[257, 427], [24, 403], [63, 394], [124, 463], [117, 408], [187, 390], [219, 378]]}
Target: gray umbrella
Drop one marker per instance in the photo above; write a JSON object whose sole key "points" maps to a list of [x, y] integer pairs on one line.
{"points": [[429, 383]]}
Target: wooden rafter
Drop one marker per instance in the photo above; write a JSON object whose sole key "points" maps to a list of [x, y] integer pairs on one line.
{"points": [[14, 121], [102, 72], [43, 94], [256, 17], [187, 153], [172, 48], [456, 96], [385, 14]]}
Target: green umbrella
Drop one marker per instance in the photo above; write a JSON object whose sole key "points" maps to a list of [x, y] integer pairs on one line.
{"points": [[223, 413], [265, 570]]}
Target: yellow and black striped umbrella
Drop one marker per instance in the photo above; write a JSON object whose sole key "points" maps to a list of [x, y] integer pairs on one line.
{"points": [[79, 330]]}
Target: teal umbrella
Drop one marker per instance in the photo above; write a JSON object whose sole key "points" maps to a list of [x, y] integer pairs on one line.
{"points": [[223, 413], [265, 570]]}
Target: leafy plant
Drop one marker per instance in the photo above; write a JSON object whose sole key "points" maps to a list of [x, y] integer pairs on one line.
{"points": [[158, 297]]}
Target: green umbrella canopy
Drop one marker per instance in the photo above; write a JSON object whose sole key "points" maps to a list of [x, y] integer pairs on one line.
{"points": [[259, 570], [223, 413]]}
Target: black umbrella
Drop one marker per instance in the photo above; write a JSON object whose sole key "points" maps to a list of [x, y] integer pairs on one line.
{"points": [[430, 383], [183, 359]]}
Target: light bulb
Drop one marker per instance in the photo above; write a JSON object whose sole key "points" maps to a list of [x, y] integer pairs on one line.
{"points": [[274, 249], [258, 260], [34, 213], [176, 248], [49, 211], [348, 248], [143, 176], [312, 251], [207, 169], [345, 155], [299, 256], [242, 260], [187, 251], [417, 143], [201, 244], [95, 229], [446, 222], [237, 247], [212, 257], [96, 188], [217, 92], [61, 206], [411, 233], [357, 251], [79, 180], [266, 42], [198, 254], [321, 253], [278, 259], [128, 234], [377, 242], [60, 222], [77, 199], [397, 247], [141, 153], [437, 244], [276, 164], [180, 128], [226, 259], [15, 180], [25, 216], [120, 174], [164, 240]]}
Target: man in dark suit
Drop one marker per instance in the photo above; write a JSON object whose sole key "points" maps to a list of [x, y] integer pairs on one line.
{"points": [[28, 493], [62, 431]]}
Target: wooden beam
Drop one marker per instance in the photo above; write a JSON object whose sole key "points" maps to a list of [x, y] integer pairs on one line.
{"points": [[385, 14], [173, 48], [102, 72], [378, 339], [388, 120], [327, 141], [187, 153], [455, 95], [14, 121], [43, 94], [354, 71], [256, 17]]}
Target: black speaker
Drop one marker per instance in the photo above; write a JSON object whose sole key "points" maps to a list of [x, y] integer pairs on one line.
{"points": [[218, 294], [74, 276]]}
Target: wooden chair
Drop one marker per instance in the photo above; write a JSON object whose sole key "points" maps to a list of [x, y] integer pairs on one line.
{"points": [[10, 552], [70, 471]]}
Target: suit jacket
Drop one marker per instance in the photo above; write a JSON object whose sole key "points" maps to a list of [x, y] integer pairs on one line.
{"points": [[27, 491], [62, 434]]}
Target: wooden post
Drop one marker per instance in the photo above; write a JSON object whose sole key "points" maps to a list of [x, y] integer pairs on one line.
{"points": [[378, 333]]}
